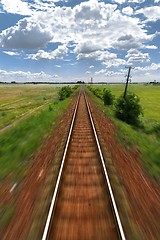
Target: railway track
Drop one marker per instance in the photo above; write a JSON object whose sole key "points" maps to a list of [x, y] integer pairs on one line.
{"points": [[83, 205]]}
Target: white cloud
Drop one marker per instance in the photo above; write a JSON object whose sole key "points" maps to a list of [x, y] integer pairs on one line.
{"points": [[91, 26], [56, 54], [110, 73], [137, 1], [102, 71], [129, 41], [91, 66], [16, 7], [27, 7], [100, 55], [11, 53], [127, 11], [20, 76], [135, 55], [86, 47], [114, 62], [151, 13], [119, 1], [27, 34], [151, 47], [156, 1], [152, 67]]}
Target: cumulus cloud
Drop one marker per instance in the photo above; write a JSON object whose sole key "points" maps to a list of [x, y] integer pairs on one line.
{"points": [[91, 26], [100, 55], [114, 62], [151, 13], [16, 7], [27, 34], [91, 66], [152, 67], [86, 47], [135, 55], [29, 8], [127, 11], [56, 54], [20, 76]]}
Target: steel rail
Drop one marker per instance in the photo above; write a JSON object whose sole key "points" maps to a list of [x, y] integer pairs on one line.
{"points": [[46, 229], [115, 209], [54, 197]]}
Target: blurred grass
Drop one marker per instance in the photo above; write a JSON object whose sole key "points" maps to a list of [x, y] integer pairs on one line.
{"points": [[147, 142], [18, 144], [6, 214]]}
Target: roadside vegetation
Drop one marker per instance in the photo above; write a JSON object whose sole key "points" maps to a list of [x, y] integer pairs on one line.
{"points": [[25, 136], [19, 143], [64, 92], [19, 101], [137, 119]]}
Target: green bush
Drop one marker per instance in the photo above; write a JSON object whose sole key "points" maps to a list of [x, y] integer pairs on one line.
{"points": [[64, 92], [50, 107], [128, 109], [108, 97], [96, 91], [156, 130]]}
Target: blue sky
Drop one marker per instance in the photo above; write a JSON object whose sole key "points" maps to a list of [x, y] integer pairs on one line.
{"points": [[71, 40]]}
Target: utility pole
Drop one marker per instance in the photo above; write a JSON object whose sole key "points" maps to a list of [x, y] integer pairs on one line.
{"points": [[128, 77], [91, 80]]}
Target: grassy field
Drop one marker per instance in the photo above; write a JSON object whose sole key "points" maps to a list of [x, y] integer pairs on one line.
{"points": [[146, 139], [18, 143], [31, 112], [18, 101], [149, 98]]}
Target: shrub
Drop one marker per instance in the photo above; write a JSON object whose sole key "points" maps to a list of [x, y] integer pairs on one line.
{"points": [[156, 130], [65, 92], [96, 91], [108, 97], [50, 107], [128, 109]]}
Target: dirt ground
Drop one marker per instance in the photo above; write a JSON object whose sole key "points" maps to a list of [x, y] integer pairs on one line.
{"points": [[142, 193]]}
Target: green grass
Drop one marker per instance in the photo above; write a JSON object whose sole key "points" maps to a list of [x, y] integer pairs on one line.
{"points": [[5, 215], [149, 98], [18, 144], [148, 142], [22, 99]]}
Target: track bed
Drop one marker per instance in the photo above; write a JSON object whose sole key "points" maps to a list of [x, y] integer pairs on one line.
{"points": [[82, 210]]}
